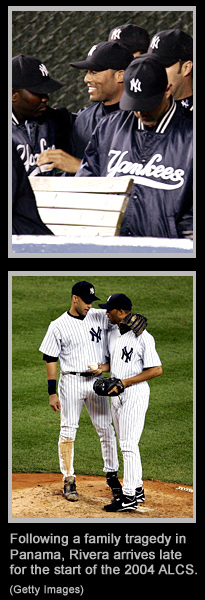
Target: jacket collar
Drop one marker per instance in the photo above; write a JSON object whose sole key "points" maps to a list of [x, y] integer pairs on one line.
{"points": [[14, 119], [164, 121]]}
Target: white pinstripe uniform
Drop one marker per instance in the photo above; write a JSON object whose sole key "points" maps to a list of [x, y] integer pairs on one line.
{"points": [[129, 355], [78, 343]]}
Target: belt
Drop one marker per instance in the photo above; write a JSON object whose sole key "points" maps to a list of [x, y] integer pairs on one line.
{"points": [[86, 374]]}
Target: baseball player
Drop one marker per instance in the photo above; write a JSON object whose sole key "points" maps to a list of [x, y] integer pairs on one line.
{"points": [[35, 125], [133, 359], [174, 49], [152, 141], [78, 338], [105, 65]]}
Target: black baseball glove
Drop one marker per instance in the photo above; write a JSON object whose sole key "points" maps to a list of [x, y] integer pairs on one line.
{"points": [[137, 323], [103, 385]]}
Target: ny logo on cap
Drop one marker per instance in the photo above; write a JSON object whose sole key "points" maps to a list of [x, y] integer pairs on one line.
{"points": [[135, 85], [92, 291], [92, 50], [116, 34], [43, 70], [155, 42]]}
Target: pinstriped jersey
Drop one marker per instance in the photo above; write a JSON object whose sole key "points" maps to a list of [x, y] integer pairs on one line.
{"points": [[77, 342], [129, 354]]}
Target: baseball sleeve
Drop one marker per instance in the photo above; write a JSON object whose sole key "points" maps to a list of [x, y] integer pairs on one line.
{"points": [[150, 355], [51, 343]]}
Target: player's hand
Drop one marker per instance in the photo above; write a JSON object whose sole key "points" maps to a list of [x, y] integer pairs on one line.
{"points": [[54, 402], [114, 389], [58, 159], [97, 371]]}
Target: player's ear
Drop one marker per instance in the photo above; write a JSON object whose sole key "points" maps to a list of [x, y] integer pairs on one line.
{"points": [[119, 76], [168, 90], [121, 313], [187, 67], [14, 95]]}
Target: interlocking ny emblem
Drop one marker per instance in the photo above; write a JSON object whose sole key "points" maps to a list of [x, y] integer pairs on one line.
{"points": [[92, 50], [135, 85], [43, 70], [116, 34], [95, 334], [155, 42], [126, 354]]}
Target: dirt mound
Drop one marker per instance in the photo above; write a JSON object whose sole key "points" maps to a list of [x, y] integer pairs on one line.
{"points": [[40, 495]]}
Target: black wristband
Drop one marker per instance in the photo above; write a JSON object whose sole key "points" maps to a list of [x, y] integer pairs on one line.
{"points": [[51, 386]]}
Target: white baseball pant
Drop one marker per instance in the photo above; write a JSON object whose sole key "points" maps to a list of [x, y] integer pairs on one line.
{"points": [[73, 391], [128, 412]]}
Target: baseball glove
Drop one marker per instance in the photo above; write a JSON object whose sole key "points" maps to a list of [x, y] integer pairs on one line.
{"points": [[103, 385], [135, 322]]}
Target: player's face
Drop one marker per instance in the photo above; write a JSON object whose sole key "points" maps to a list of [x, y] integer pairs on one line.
{"points": [[80, 308], [113, 316], [28, 105], [103, 86], [177, 76]]}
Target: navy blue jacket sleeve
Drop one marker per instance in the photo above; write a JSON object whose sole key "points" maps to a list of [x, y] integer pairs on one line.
{"points": [[89, 166], [25, 216]]}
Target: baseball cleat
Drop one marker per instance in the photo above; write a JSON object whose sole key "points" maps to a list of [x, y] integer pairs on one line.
{"points": [[114, 484], [122, 504], [70, 491], [139, 495]]}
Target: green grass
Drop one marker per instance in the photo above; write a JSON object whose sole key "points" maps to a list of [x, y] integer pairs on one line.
{"points": [[166, 443]]}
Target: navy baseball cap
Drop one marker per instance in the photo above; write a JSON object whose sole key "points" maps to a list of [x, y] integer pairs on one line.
{"points": [[170, 46], [131, 36], [85, 290], [106, 55], [145, 81], [117, 301], [29, 73]]}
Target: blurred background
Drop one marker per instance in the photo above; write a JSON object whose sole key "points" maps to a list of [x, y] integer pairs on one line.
{"points": [[60, 37]]}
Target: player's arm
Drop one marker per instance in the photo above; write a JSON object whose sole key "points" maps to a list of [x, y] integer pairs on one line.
{"points": [[143, 376], [51, 370], [58, 159]]}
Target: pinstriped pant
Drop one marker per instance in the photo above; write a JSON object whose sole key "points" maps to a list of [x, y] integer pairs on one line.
{"points": [[73, 391], [128, 412]]}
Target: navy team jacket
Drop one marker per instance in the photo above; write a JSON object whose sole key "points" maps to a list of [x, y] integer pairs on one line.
{"points": [[32, 137], [86, 120], [160, 161]]}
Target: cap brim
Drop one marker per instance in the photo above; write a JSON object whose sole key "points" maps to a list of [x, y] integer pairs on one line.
{"points": [[80, 65], [89, 299], [46, 86], [84, 64], [102, 305], [142, 104]]}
